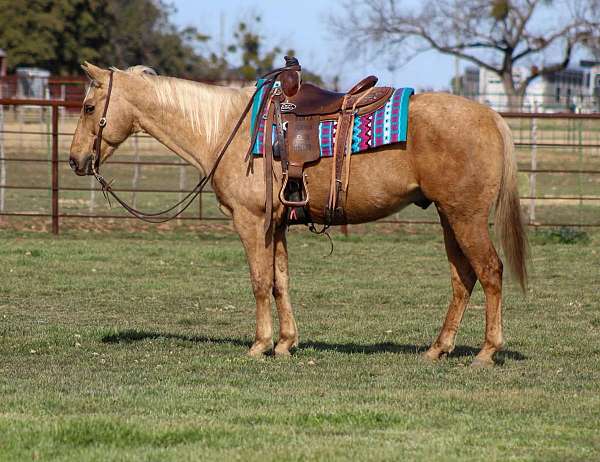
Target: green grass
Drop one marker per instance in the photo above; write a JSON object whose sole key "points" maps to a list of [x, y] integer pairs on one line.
{"points": [[131, 346]]}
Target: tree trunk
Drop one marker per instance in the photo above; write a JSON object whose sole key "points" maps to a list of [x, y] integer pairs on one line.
{"points": [[514, 98]]}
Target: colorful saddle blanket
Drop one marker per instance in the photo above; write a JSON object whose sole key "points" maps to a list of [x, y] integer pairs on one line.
{"points": [[386, 125]]}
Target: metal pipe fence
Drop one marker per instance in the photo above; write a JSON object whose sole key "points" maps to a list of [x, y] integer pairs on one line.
{"points": [[574, 138]]}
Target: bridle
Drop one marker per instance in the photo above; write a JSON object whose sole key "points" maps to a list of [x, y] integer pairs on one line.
{"points": [[266, 81], [97, 146]]}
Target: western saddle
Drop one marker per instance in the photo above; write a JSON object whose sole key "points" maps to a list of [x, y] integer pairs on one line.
{"points": [[295, 110]]}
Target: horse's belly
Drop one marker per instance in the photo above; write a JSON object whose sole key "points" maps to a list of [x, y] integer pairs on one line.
{"points": [[381, 183]]}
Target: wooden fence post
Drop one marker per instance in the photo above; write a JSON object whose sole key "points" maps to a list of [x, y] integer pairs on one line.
{"points": [[136, 170], [200, 204], [2, 162], [181, 186], [55, 169], [532, 176]]}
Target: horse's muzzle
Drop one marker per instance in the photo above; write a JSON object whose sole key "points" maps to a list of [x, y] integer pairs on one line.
{"points": [[83, 168]]}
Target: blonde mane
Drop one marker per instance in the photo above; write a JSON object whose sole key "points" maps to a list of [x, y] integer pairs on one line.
{"points": [[208, 108]]}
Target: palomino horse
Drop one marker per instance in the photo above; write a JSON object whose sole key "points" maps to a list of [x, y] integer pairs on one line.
{"points": [[459, 155]]}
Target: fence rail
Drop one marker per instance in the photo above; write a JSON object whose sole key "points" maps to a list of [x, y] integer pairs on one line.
{"points": [[53, 132]]}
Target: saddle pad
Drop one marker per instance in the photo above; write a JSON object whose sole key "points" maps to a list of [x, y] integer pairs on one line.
{"points": [[386, 125]]}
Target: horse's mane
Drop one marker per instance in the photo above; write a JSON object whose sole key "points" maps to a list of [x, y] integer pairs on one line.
{"points": [[140, 69], [208, 108]]}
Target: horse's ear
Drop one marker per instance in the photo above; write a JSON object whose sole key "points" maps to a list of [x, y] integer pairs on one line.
{"points": [[95, 73]]}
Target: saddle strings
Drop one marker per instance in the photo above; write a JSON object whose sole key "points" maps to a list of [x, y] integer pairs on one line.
{"points": [[349, 144]]}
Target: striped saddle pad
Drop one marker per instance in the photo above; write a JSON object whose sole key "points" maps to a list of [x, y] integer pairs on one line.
{"points": [[386, 125]]}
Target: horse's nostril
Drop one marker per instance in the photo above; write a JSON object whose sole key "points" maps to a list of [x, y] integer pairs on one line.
{"points": [[73, 164]]}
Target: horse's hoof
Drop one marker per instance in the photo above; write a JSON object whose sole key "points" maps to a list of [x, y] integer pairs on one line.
{"points": [[282, 352], [259, 349], [431, 356], [436, 353], [285, 347], [481, 363]]}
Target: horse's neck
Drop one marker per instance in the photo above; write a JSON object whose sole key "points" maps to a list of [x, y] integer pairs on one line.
{"points": [[172, 127]]}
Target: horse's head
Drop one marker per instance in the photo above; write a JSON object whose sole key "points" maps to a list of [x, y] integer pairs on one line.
{"points": [[118, 124]]}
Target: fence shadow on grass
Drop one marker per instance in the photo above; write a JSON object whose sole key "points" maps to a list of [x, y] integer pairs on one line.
{"points": [[130, 335]]}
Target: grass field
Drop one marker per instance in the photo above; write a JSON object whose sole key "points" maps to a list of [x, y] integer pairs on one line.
{"points": [[131, 346]]}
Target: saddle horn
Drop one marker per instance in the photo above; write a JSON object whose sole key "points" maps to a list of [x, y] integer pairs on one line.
{"points": [[291, 80]]}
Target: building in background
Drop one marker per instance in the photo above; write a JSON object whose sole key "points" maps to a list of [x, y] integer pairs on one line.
{"points": [[32, 83], [575, 89], [470, 82]]}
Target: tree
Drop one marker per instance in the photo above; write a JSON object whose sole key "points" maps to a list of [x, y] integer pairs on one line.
{"points": [[60, 34], [498, 35], [143, 34], [249, 45], [56, 35], [255, 60]]}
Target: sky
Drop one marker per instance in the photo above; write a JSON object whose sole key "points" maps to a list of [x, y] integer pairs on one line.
{"points": [[302, 25]]}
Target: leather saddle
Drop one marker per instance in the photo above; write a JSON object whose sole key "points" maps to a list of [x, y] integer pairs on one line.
{"points": [[295, 110]]}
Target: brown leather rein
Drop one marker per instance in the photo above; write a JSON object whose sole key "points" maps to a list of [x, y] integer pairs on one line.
{"points": [[266, 81]]}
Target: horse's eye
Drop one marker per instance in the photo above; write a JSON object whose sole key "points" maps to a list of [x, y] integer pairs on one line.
{"points": [[88, 108]]}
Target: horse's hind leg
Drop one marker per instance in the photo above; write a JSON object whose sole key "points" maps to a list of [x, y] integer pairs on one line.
{"points": [[463, 280], [475, 242], [288, 332]]}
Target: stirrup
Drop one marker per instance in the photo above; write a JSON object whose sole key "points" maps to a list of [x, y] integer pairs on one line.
{"points": [[304, 190]]}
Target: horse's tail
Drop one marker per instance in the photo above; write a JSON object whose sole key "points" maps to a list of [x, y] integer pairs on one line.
{"points": [[508, 219]]}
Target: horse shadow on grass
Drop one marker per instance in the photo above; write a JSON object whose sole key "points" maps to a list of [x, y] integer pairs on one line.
{"points": [[130, 335], [405, 349]]}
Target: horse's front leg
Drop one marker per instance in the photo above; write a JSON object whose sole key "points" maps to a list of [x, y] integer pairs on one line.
{"points": [[260, 254], [288, 332]]}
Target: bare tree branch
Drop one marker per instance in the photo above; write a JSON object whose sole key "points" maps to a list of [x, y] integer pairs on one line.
{"points": [[492, 34]]}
